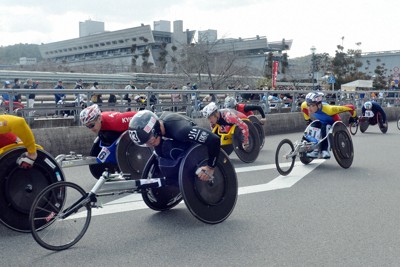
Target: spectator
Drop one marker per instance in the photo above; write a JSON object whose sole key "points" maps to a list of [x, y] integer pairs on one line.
{"points": [[128, 97], [175, 98], [7, 85], [17, 85], [31, 97], [80, 99], [59, 97], [153, 98], [96, 98]]}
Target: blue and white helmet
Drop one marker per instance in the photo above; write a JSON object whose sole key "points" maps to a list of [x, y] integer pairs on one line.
{"points": [[314, 97], [230, 102], [368, 105]]}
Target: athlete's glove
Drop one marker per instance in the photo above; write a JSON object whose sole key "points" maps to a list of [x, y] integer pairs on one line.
{"points": [[353, 120], [309, 121], [25, 162]]}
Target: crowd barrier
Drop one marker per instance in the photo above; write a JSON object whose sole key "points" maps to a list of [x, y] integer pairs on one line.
{"points": [[62, 140]]}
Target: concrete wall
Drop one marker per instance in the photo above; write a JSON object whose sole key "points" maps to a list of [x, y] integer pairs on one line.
{"points": [[62, 140]]}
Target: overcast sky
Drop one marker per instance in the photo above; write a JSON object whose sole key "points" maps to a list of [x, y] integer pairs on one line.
{"points": [[308, 23]]}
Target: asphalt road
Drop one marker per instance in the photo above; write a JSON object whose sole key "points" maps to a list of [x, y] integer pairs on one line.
{"points": [[320, 215]]}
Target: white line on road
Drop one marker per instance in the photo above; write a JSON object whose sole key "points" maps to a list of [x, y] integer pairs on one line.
{"points": [[135, 202]]}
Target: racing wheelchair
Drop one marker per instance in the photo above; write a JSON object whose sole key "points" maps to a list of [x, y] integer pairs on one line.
{"points": [[369, 118], [231, 140], [61, 213], [19, 187], [338, 138]]}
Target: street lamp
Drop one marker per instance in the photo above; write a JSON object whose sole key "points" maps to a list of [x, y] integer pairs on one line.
{"points": [[313, 64]]}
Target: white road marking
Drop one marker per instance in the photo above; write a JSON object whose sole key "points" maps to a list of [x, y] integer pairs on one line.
{"points": [[134, 201]]}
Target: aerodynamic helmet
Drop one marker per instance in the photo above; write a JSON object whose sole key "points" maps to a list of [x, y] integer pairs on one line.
{"points": [[230, 102], [144, 125], [314, 97], [90, 114], [368, 105], [209, 110]]}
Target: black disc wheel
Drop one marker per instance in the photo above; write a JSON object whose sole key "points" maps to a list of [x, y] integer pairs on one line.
{"points": [[382, 126], [260, 129], [284, 157], [97, 169], [209, 201], [19, 187], [60, 216], [342, 145], [131, 158], [162, 198], [363, 123], [251, 153]]}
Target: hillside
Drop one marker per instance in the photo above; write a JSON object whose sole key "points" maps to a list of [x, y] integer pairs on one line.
{"points": [[11, 54]]}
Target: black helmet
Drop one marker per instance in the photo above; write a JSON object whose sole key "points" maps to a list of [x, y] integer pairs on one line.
{"points": [[143, 126]]}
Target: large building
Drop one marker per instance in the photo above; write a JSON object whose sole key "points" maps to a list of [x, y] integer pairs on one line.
{"points": [[133, 47]]}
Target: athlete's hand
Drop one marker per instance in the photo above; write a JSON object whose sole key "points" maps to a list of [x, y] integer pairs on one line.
{"points": [[263, 120], [205, 173], [26, 160]]}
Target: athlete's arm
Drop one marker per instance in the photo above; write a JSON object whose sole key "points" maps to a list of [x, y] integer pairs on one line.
{"points": [[248, 108], [20, 128]]}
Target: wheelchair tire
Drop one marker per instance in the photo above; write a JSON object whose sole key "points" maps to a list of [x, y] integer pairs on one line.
{"points": [[131, 158], [97, 169], [342, 145], [260, 129], [162, 198], [254, 143], [363, 123], [209, 201], [19, 187], [382, 126]]}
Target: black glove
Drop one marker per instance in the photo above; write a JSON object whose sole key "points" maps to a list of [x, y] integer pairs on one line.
{"points": [[309, 121], [25, 162], [353, 120]]}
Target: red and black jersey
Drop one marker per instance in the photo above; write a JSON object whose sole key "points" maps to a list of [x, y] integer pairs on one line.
{"points": [[113, 124]]}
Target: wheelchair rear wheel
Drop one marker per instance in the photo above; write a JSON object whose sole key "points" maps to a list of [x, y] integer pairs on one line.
{"points": [[19, 187], [209, 201]]}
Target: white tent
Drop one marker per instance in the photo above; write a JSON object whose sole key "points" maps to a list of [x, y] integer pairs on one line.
{"points": [[358, 84]]}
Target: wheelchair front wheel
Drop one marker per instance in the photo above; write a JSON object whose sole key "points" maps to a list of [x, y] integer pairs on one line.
{"points": [[284, 158], [60, 216]]}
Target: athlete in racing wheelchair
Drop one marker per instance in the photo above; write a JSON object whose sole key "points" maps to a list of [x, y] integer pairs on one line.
{"points": [[236, 131], [372, 114], [326, 114], [25, 169], [111, 130], [190, 159], [321, 135]]}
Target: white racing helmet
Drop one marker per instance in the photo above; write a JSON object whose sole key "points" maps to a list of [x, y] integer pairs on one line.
{"points": [[90, 114], [209, 110], [230, 102], [368, 105]]}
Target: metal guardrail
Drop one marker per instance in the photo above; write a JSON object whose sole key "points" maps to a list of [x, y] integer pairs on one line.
{"points": [[272, 101]]}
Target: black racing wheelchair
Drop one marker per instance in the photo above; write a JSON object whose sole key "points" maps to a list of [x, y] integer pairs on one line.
{"points": [[61, 213], [339, 140]]}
